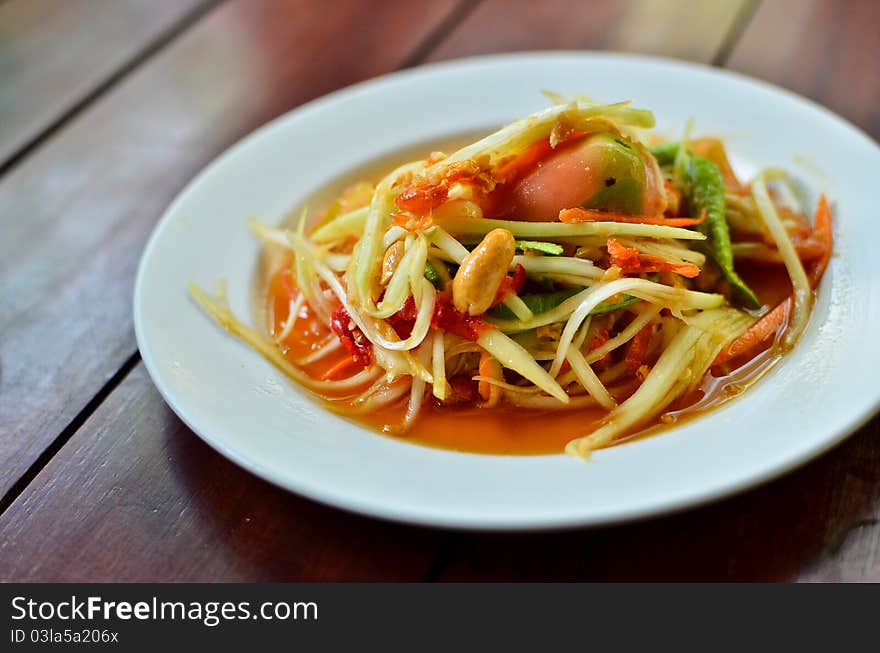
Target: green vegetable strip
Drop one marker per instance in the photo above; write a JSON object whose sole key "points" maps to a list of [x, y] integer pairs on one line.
{"points": [[707, 194], [463, 227], [539, 246], [656, 293], [367, 255], [517, 307], [803, 296], [512, 356], [517, 136], [538, 303], [608, 307], [665, 153], [651, 397], [543, 302], [350, 224], [432, 275], [681, 366]]}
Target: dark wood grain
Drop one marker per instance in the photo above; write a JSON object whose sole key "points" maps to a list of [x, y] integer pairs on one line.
{"points": [[676, 28], [828, 51], [814, 524], [53, 54], [76, 214], [142, 498]]}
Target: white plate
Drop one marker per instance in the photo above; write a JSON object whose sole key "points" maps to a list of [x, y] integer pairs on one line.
{"points": [[252, 414]]}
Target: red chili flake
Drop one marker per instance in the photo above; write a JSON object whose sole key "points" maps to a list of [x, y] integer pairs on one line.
{"points": [[449, 318], [351, 337], [511, 284], [445, 317], [404, 320]]}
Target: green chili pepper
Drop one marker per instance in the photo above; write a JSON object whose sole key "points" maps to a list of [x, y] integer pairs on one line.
{"points": [[707, 194], [432, 276], [543, 302], [665, 153], [539, 246]]}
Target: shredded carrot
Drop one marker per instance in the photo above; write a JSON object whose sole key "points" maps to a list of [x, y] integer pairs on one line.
{"points": [[822, 233], [651, 263], [572, 216], [339, 368], [759, 332], [809, 249], [485, 370], [626, 258], [638, 348], [775, 319], [631, 261]]}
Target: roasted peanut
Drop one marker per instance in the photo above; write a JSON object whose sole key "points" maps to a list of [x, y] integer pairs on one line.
{"points": [[391, 260], [477, 281]]}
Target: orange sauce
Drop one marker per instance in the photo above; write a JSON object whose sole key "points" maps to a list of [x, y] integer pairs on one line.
{"points": [[506, 429]]}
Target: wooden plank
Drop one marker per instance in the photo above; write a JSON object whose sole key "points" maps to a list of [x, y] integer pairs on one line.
{"points": [[76, 214], [675, 28], [142, 498], [825, 50], [54, 54], [817, 523]]}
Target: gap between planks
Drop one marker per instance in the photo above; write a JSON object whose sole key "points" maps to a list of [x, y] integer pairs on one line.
{"points": [[67, 432], [106, 85], [735, 32]]}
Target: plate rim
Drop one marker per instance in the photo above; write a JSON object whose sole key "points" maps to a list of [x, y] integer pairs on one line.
{"points": [[698, 497]]}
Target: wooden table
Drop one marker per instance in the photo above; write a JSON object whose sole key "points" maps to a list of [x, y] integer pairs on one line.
{"points": [[108, 107]]}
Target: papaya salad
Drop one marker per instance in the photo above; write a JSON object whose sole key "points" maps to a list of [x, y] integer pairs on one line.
{"points": [[564, 283]]}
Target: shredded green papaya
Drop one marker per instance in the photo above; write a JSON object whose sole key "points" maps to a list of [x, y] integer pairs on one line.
{"points": [[542, 302], [553, 249]]}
